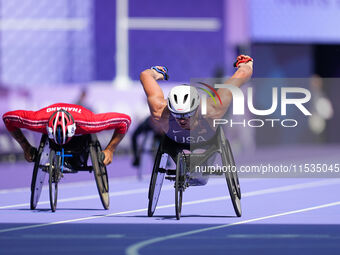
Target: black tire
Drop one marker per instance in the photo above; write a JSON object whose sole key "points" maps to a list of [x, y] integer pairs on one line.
{"points": [[231, 186], [180, 166], [38, 176], [234, 173], [156, 183], [100, 172], [54, 175]]}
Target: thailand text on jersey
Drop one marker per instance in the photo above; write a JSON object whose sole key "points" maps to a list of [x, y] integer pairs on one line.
{"points": [[86, 121]]}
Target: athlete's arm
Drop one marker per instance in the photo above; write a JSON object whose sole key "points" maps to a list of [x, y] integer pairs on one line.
{"points": [[111, 147], [29, 150], [15, 120], [240, 77], [94, 123], [153, 91]]}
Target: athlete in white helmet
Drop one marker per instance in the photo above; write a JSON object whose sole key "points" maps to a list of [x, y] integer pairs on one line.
{"points": [[177, 115]]}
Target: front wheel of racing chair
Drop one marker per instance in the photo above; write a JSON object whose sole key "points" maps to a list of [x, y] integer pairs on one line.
{"points": [[234, 173], [156, 180], [54, 177], [231, 178], [180, 183], [100, 171], [38, 176]]}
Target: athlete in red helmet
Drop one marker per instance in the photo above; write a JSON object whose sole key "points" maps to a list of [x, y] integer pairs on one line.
{"points": [[61, 122], [61, 127]]}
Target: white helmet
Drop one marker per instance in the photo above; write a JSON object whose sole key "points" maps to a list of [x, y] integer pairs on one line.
{"points": [[183, 101]]}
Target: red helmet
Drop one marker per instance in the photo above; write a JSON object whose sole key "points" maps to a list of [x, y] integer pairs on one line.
{"points": [[61, 127]]}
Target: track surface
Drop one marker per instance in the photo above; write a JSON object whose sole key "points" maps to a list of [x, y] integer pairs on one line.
{"points": [[280, 216]]}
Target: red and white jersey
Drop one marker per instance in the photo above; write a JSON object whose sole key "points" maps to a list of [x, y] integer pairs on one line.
{"points": [[86, 121]]}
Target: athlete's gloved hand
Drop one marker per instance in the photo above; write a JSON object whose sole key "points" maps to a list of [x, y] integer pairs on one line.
{"points": [[162, 70], [31, 154], [106, 157], [242, 59]]}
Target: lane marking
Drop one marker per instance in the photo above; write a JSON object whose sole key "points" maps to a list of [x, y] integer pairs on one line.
{"points": [[80, 198], [248, 194], [134, 249], [64, 236], [112, 194], [282, 236], [112, 181], [70, 184]]}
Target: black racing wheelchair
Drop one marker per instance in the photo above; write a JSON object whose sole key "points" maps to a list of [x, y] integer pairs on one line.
{"points": [[185, 164], [72, 157]]}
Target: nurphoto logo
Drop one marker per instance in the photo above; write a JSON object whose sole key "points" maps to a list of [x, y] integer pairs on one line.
{"points": [[239, 103]]}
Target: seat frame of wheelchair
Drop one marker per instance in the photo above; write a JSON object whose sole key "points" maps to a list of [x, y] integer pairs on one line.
{"points": [[71, 158], [185, 164]]}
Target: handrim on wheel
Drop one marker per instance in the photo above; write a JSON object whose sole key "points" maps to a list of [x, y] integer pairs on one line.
{"points": [[226, 161], [156, 183], [231, 185], [234, 173], [179, 184], [38, 176], [100, 172]]}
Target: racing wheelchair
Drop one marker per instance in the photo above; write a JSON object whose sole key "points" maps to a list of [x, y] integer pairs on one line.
{"points": [[72, 157], [185, 165]]}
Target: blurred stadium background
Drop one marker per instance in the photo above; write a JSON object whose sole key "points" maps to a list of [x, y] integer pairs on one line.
{"points": [[93, 51]]}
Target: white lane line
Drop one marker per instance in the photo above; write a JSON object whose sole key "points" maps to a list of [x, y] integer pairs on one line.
{"points": [[112, 194], [282, 236], [134, 249], [69, 185], [248, 194], [64, 236], [6, 191], [112, 182], [66, 185]]}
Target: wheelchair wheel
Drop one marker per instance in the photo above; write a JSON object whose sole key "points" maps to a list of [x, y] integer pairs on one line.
{"points": [[38, 176], [231, 184], [54, 177], [234, 173], [179, 184], [100, 172], [156, 183]]}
